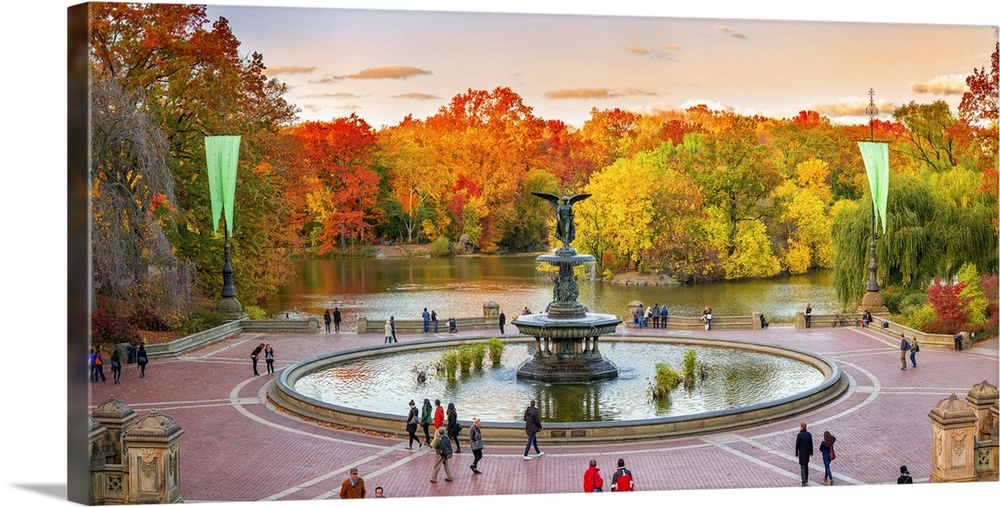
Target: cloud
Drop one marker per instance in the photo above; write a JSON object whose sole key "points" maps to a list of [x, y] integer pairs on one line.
{"points": [[713, 105], [730, 32], [942, 85], [288, 69], [416, 96], [852, 106], [665, 51], [394, 72], [596, 93], [338, 95]]}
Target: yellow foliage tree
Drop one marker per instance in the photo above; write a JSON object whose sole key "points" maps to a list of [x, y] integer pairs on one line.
{"points": [[752, 256]]}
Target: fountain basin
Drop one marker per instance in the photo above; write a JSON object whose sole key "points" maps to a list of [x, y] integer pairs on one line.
{"points": [[282, 393]]}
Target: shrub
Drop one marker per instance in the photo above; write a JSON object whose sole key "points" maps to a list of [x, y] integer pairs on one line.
{"points": [[495, 346], [690, 362], [107, 327], [666, 380], [201, 319], [143, 317], [255, 312], [450, 361], [465, 358], [441, 247]]}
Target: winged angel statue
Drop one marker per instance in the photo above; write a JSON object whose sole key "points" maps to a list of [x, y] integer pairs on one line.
{"points": [[565, 230]]}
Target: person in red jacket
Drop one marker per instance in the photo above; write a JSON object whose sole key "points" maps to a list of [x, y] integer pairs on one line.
{"points": [[592, 482], [438, 414], [622, 480]]}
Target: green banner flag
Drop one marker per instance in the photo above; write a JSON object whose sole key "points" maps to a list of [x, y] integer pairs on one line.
{"points": [[876, 157], [222, 154]]}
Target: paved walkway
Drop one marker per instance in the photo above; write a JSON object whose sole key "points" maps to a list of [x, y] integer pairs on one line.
{"points": [[238, 447]]}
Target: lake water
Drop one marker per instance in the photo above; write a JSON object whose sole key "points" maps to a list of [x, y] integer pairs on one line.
{"points": [[458, 286]]}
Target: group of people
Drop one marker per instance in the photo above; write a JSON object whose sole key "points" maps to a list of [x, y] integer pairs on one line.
{"points": [[445, 441], [908, 346], [622, 479], [96, 363], [268, 352], [656, 314], [335, 318]]}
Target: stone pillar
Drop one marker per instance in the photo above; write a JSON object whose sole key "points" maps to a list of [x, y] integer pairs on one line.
{"points": [[800, 320], [153, 450], [491, 312], [953, 426], [115, 416], [755, 317], [984, 401], [630, 310], [981, 398], [99, 447], [362, 325]]}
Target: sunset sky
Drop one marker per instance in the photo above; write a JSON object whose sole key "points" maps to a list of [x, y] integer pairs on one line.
{"points": [[385, 64]]}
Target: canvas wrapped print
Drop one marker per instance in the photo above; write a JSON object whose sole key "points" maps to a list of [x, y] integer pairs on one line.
{"points": [[341, 252]]}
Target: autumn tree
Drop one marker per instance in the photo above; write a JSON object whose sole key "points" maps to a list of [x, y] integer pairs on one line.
{"points": [[185, 73], [978, 112]]}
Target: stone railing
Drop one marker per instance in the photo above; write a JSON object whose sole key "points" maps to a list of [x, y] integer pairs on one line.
{"points": [[219, 333], [409, 326], [934, 341]]}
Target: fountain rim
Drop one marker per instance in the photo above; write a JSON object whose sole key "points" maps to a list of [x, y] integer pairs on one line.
{"points": [[281, 392]]}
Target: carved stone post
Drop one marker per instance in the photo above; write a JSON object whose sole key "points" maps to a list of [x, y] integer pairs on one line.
{"points": [[153, 445], [114, 415], [953, 426], [630, 310], [491, 312], [98, 445], [984, 401]]}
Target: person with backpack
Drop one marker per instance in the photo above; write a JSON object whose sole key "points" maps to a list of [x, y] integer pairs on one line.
{"points": [[442, 447], [412, 420], [426, 419], [532, 425], [98, 365], [904, 476], [914, 348], [622, 479]]}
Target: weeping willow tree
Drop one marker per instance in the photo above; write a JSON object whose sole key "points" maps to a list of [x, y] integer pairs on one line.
{"points": [[932, 229]]}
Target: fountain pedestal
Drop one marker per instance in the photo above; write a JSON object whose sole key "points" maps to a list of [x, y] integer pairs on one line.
{"points": [[566, 337]]}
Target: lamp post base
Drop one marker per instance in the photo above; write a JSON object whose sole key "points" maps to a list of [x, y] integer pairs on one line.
{"points": [[230, 308], [873, 302]]}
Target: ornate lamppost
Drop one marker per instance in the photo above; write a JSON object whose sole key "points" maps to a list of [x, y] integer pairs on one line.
{"points": [[222, 154], [876, 158]]}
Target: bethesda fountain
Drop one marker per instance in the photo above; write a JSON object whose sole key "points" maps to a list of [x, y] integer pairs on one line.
{"points": [[566, 335]]}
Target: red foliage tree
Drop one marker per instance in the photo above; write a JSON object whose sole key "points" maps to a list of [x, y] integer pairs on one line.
{"points": [[951, 308]]}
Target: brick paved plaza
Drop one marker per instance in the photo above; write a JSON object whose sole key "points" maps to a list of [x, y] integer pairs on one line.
{"points": [[238, 447]]}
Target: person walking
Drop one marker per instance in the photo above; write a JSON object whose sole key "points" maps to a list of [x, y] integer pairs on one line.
{"points": [[269, 358], [392, 324], [804, 449], [412, 420], [116, 365], [91, 370], [427, 320], [434, 319], [809, 311], [426, 418], [476, 443], [141, 358], [904, 476], [327, 319], [388, 331], [826, 449], [904, 347], [453, 427], [336, 319], [353, 486], [253, 355], [99, 364], [442, 447], [914, 348], [622, 479], [503, 320], [532, 425], [592, 482], [438, 415]]}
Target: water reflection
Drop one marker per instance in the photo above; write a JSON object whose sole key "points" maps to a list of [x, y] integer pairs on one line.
{"points": [[736, 378], [378, 288]]}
